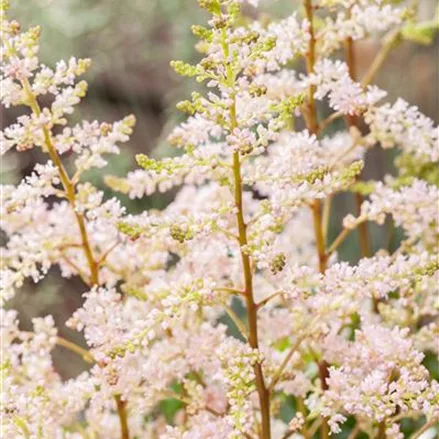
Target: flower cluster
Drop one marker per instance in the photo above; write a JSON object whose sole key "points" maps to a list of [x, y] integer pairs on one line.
{"points": [[381, 376], [232, 312]]}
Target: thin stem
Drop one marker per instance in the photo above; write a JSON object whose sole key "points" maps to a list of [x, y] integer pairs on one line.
{"points": [[365, 249], [104, 256], [362, 229], [314, 427], [73, 347], [323, 374], [263, 393], [313, 127], [22, 425], [288, 434], [232, 291], [355, 432], [391, 231], [278, 374], [310, 61], [351, 148], [228, 234], [351, 61], [263, 302], [331, 118], [380, 57], [123, 418], [381, 431], [69, 188], [424, 428], [67, 246], [187, 401], [302, 409], [237, 321], [67, 184], [320, 239], [82, 275], [353, 122], [325, 217], [338, 241]]}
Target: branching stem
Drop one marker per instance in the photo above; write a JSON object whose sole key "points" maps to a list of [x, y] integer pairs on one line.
{"points": [[237, 321], [277, 376], [263, 393], [251, 307], [67, 184], [263, 302], [73, 347], [70, 193]]}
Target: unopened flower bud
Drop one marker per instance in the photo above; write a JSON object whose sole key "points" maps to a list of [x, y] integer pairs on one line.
{"points": [[277, 264]]}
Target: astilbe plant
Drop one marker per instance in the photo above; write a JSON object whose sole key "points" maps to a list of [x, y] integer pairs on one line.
{"points": [[342, 344]]}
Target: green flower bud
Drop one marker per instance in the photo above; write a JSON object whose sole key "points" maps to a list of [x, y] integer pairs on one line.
{"points": [[352, 171], [257, 90], [277, 264], [179, 234], [186, 107], [118, 351], [202, 32], [183, 69], [212, 6], [317, 174], [131, 230], [117, 184], [363, 187], [219, 22]]}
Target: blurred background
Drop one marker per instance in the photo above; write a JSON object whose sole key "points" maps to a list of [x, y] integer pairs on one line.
{"points": [[131, 43]]}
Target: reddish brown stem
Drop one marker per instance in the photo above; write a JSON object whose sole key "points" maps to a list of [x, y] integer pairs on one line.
{"points": [[123, 418]]}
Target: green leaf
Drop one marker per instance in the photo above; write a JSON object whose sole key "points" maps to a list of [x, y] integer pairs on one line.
{"points": [[169, 407], [421, 33]]}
